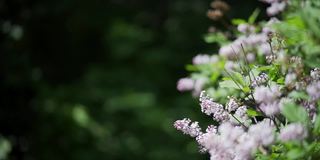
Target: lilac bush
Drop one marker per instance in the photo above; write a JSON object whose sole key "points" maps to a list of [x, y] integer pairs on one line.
{"points": [[262, 88]]}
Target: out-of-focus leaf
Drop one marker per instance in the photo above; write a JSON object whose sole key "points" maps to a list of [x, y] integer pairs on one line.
{"points": [[295, 113], [237, 21], [218, 37], [228, 84], [298, 95], [295, 153], [254, 16]]}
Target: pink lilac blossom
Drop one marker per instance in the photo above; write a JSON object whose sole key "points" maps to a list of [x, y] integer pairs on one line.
{"points": [[315, 74], [269, 1], [246, 28], [240, 117], [267, 29], [271, 108], [246, 147], [313, 90], [275, 8], [271, 58], [293, 131], [311, 109], [212, 108], [185, 84], [201, 59], [198, 86], [227, 51], [284, 101], [232, 104], [231, 142], [296, 60], [259, 80], [290, 78], [230, 65], [241, 113], [193, 129], [265, 49], [251, 57], [263, 132], [264, 94]]}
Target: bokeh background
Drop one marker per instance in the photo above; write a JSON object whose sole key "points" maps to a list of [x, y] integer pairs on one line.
{"points": [[97, 79]]}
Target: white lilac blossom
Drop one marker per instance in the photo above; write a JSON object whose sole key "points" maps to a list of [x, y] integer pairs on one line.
{"points": [[267, 28], [315, 74], [311, 108], [259, 80], [313, 90], [294, 131], [232, 142], [265, 49], [275, 8], [185, 84], [256, 39], [246, 28], [227, 51], [187, 127], [263, 132], [198, 86], [251, 57], [264, 94], [240, 117], [296, 60], [284, 101], [209, 107], [269, 1], [270, 108], [232, 104], [201, 59], [290, 78], [246, 147], [271, 58], [230, 65]]}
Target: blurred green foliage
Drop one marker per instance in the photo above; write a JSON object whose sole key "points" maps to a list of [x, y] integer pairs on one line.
{"points": [[96, 79]]}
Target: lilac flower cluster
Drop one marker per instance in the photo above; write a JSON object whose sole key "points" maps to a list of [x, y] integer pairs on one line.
{"points": [[231, 142], [189, 84], [268, 99], [251, 42], [259, 80], [204, 59], [187, 127], [255, 116], [294, 131], [209, 107], [276, 7]]}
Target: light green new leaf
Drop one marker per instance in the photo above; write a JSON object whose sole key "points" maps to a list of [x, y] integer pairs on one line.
{"points": [[295, 113], [228, 84]]}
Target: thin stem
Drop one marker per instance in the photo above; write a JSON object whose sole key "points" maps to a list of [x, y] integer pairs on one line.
{"points": [[239, 121], [238, 85]]}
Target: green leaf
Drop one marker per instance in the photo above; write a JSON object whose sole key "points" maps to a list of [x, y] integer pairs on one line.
{"points": [[297, 95], [191, 68], [295, 153], [295, 113], [316, 128], [237, 21], [265, 68], [238, 78], [228, 84], [218, 37], [254, 16], [280, 80], [246, 89], [252, 113]]}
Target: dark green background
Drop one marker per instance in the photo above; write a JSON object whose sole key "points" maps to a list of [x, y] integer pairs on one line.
{"points": [[97, 79]]}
